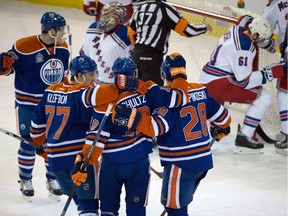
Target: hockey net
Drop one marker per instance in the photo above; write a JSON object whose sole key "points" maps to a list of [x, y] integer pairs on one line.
{"points": [[197, 50]]}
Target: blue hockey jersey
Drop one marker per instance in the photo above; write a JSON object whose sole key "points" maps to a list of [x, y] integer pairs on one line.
{"points": [[132, 145], [183, 135], [62, 118], [36, 67]]}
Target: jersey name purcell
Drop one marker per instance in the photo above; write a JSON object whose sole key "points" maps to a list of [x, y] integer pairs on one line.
{"points": [[57, 98], [135, 101], [196, 96]]}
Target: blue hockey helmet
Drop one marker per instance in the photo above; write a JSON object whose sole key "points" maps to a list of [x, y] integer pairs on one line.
{"points": [[174, 61], [82, 64], [52, 20], [125, 66]]}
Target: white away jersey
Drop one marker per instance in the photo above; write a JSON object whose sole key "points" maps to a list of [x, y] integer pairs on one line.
{"points": [[233, 59], [104, 49], [277, 14]]}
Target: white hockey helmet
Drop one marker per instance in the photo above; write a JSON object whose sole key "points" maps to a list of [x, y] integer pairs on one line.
{"points": [[112, 15], [261, 26]]}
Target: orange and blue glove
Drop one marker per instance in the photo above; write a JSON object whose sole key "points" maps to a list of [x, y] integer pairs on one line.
{"points": [[219, 132], [124, 116], [42, 153], [78, 172], [6, 62], [129, 83]]}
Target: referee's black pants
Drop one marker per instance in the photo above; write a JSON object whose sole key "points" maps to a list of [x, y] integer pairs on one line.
{"points": [[148, 61]]}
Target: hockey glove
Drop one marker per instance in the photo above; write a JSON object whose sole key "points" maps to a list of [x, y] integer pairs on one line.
{"points": [[218, 132], [274, 71], [124, 116], [89, 7], [78, 173], [6, 62], [128, 83], [42, 153]]}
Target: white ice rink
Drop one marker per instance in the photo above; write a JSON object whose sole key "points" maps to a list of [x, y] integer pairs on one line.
{"points": [[238, 185]]}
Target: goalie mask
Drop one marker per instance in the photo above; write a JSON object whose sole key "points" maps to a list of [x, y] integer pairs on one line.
{"points": [[51, 20], [172, 62], [112, 15], [260, 26], [125, 66], [83, 65]]}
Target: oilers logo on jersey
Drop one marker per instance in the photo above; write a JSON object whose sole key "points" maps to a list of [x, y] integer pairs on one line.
{"points": [[52, 71]]}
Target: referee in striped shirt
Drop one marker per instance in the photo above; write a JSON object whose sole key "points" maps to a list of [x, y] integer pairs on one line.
{"points": [[149, 31]]}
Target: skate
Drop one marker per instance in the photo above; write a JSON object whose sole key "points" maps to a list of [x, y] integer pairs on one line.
{"points": [[54, 189], [27, 189], [246, 145], [281, 147]]}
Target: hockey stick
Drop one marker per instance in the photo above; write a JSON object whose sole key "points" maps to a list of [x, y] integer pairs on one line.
{"points": [[159, 174], [85, 163], [20, 138], [163, 213], [264, 136]]}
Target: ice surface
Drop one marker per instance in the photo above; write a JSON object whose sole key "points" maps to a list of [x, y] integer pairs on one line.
{"points": [[238, 185]]}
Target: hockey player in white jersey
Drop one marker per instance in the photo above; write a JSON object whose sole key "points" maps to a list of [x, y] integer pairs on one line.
{"points": [[107, 40], [276, 12], [232, 76]]}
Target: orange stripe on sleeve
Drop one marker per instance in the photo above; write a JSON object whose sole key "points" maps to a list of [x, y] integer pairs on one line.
{"points": [[94, 156], [181, 26], [145, 126], [182, 84], [131, 35]]}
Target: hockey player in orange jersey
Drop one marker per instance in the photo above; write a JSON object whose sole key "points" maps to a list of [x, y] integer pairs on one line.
{"points": [[61, 120], [36, 61], [125, 161], [183, 138]]}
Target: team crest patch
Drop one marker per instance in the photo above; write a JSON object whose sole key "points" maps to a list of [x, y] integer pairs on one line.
{"points": [[39, 58], [52, 71], [22, 127], [94, 124], [86, 187], [136, 199]]}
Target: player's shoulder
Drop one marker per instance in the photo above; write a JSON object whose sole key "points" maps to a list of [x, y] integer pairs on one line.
{"points": [[28, 44], [275, 2], [241, 40], [92, 29], [150, 83], [55, 87], [78, 87], [122, 34], [63, 45], [196, 86]]}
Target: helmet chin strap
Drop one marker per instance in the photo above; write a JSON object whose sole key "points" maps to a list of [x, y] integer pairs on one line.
{"points": [[84, 80], [54, 37]]}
